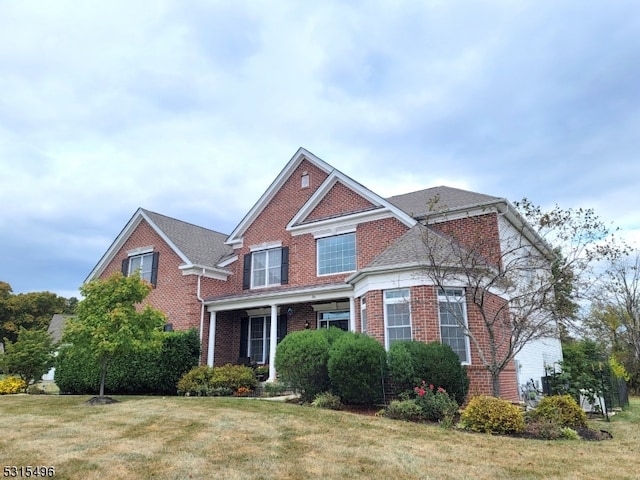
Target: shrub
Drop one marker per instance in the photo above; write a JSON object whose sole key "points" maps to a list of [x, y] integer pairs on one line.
{"points": [[436, 404], [274, 389], [235, 377], [492, 415], [410, 362], [142, 372], [301, 362], [356, 368], [404, 410], [561, 409], [11, 385], [196, 381], [327, 400], [570, 434]]}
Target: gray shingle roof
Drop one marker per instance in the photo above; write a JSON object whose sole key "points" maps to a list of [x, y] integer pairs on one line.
{"points": [[431, 200], [415, 248], [56, 326], [200, 245]]}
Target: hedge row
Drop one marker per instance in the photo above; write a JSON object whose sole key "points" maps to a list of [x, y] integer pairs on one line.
{"points": [[142, 373]]}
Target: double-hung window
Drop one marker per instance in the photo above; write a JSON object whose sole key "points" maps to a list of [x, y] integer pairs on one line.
{"points": [[146, 264], [266, 267], [259, 339], [336, 254], [363, 314], [452, 309], [397, 315]]}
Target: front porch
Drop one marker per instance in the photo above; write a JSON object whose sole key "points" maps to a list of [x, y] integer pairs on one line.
{"points": [[248, 327]]}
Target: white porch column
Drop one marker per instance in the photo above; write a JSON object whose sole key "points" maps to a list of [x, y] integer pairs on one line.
{"points": [[273, 343], [212, 338], [352, 314]]}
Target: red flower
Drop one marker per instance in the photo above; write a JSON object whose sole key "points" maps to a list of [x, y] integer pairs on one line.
{"points": [[431, 386], [441, 390]]}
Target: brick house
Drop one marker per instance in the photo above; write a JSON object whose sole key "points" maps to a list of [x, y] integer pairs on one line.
{"points": [[318, 249]]}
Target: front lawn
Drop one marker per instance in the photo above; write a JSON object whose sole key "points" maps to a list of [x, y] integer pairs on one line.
{"points": [[235, 438]]}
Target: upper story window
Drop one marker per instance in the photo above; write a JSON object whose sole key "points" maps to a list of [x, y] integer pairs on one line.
{"points": [[336, 254], [266, 268], [146, 264], [452, 309]]}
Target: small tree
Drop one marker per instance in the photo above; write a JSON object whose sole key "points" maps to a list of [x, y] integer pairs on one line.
{"points": [[30, 357], [109, 325]]}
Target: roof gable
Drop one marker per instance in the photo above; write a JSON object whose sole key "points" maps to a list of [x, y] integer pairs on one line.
{"points": [[196, 246], [235, 238]]}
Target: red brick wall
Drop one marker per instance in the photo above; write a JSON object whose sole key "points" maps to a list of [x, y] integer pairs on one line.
{"points": [[479, 234], [338, 201], [174, 294]]}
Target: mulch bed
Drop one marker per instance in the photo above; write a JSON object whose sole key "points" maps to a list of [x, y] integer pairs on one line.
{"points": [[100, 401]]}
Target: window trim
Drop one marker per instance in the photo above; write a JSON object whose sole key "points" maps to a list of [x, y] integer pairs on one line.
{"points": [[268, 253], [462, 300], [355, 253], [266, 337], [324, 312], [392, 301]]}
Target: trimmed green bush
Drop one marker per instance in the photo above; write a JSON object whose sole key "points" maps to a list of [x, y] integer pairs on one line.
{"points": [[327, 400], [205, 381], [234, 377], [147, 372], [301, 362], [357, 365], [404, 410], [411, 362], [492, 415], [561, 409], [196, 382]]}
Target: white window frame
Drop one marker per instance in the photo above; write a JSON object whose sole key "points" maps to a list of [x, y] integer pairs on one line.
{"points": [[326, 238], [259, 357], [329, 320], [363, 314], [270, 258], [145, 267], [457, 295], [405, 297]]}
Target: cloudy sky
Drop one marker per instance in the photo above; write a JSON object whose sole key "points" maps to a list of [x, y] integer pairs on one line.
{"points": [[192, 108]]}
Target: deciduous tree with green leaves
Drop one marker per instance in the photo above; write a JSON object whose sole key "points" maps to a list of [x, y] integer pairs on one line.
{"points": [[111, 322], [30, 357]]}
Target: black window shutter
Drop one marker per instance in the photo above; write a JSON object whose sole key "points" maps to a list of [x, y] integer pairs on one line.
{"points": [[244, 337], [154, 269], [284, 266], [282, 326], [246, 272], [125, 266]]}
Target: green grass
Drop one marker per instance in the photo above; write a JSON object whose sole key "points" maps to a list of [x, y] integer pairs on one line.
{"points": [[231, 438]]}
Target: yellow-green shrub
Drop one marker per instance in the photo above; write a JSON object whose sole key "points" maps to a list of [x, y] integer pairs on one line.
{"points": [[562, 409], [12, 385], [492, 415]]}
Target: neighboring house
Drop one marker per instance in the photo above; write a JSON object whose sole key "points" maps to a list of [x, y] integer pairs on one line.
{"points": [[56, 327], [318, 249]]}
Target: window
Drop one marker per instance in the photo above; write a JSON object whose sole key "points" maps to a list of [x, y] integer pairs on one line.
{"points": [[259, 330], [146, 264], [337, 254], [304, 180], [266, 268], [397, 315], [363, 315], [334, 319], [453, 321]]}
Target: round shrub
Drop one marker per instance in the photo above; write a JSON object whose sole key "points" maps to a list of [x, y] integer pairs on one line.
{"points": [[11, 385], [327, 400], [356, 367], [492, 415], [404, 410], [411, 362], [235, 377], [561, 409], [196, 381], [301, 362]]}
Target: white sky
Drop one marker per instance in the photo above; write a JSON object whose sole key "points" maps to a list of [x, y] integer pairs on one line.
{"points": [[192, 108]]}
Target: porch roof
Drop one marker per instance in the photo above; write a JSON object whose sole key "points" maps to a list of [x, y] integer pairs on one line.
{"points": [[280, 296]]}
